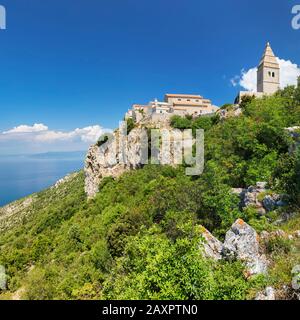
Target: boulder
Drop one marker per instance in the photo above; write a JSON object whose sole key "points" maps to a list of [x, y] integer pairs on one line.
{"points": [[261, 185], [253, 197], [233, 111], [212, 246], [294, 133], [266, 236], [267, 294], [3, 279], [269, 203], [297, 234], [242, 243]]}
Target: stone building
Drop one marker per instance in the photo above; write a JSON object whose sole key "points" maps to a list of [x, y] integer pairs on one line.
{"points": [[268, 76], [268, 72], [173, 104], [194, 105]]}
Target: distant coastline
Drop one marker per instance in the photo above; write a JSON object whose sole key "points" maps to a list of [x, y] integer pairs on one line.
{"points": [[24, 174], [46, 155]]}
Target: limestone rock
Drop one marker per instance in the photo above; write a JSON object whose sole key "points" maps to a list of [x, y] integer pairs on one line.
{"points": [[242, 243], [267, 294], [252, 196], [297, 234], [261, 185], [64, 180], [124, 152], [233, 111], [269, 203], [294, 133], [266, 236], [211, 245], [3, 279]]}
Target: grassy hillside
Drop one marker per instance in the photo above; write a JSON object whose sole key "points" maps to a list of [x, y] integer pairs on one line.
{"points": [[139, 238]]}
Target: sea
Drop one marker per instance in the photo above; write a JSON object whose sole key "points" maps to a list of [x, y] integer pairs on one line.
{"points": [[22, 175]]}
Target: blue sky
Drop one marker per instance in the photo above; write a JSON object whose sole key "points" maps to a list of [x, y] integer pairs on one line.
{"points": [[71, 64]]}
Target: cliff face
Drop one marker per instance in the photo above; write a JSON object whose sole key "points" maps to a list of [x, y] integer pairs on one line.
{"points": [[124, 152], [108, 160]]}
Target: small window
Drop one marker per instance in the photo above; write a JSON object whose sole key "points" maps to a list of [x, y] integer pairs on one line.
{"points": [[197, 100], [188, 99], [179, 99], [273, 74], [269, 73]]}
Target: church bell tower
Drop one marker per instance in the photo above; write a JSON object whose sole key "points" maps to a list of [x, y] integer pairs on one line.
{"points": [[268, 73]]}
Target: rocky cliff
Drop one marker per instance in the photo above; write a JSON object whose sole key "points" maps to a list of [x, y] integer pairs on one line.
{"points": [[123, 152]]}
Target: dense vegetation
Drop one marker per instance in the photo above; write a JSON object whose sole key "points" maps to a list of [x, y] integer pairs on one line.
{"points": [[139, 238]]}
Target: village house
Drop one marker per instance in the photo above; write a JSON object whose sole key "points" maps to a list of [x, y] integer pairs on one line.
{"points": [[173, 104]]}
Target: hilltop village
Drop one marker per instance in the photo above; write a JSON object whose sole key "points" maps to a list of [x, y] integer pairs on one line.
{"points": [[268, 82]]}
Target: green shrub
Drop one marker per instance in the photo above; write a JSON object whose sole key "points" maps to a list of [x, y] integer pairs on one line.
{"points": [[278, 245]]}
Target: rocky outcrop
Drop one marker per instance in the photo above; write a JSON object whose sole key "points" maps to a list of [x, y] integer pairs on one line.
{"points": [[66, 179], [259, 197], [297, 234], [241, 243], [267, 294], [267, 236], [124, 152], [212, 247], [113, 158], [294, 133], [230, 111], [3, 278], [285, 292]]}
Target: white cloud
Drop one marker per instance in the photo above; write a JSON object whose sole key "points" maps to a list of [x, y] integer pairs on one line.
{"points": [[249, 79], [289, 72], [37, 127], [40, 132], [39, 138]]}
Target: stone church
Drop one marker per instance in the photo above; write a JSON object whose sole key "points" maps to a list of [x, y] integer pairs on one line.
{"points": [[268, 76]]}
